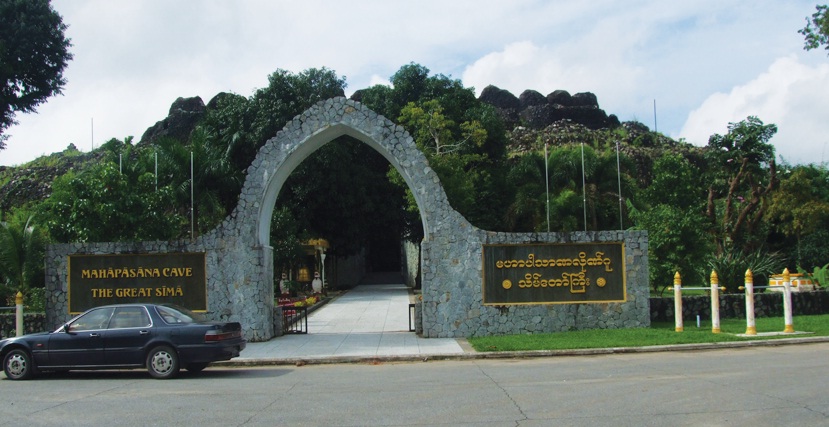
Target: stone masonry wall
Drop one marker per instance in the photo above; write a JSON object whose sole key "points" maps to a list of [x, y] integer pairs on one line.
{"points": [[32, 323], [410, 261], [453, 303], [231, 292]]}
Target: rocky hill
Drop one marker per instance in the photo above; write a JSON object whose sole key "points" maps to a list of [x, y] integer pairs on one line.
{"points": [[537, 111], [534, 119]]}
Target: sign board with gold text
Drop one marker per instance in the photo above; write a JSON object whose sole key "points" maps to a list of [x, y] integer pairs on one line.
{"points": [[554, 273], [178, 278]]}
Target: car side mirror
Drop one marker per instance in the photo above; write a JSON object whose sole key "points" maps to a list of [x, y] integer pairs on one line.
{"points": [[66, 328]]}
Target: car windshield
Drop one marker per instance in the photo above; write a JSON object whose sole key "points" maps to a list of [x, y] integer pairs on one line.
{"points": [[175, 314]]}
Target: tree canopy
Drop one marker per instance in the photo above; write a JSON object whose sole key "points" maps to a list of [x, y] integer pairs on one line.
{"points": [[33, 55], [816, 31]]}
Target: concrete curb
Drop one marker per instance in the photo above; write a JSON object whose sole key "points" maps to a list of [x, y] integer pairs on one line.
{"points": [[374, 360]]}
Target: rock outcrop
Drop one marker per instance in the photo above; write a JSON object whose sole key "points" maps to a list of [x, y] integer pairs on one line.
{"points": [[537, 111], [184, 114]]}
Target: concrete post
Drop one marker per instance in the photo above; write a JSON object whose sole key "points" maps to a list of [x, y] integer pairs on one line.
{"points": [[751, 328], [18, 301], [678, 302], [787, 302], [715, 303]]}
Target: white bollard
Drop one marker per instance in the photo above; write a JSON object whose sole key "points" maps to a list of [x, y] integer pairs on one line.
{"points": [[715, 303], [751, 327], [787, 302], [678, 302], [18, 301]]}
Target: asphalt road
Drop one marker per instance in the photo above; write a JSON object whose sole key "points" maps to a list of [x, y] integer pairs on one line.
{"points": [[763, 386]]}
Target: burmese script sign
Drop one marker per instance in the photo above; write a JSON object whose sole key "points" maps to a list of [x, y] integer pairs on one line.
{"points": [[554, 273], [177, 278]]}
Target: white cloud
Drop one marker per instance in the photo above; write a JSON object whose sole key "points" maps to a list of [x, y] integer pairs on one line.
{"points": [[790, 94], [524, 65], [132, 60]]}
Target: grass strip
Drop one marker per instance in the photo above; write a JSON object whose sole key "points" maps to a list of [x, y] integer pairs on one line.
{"points": [[660, 333]]}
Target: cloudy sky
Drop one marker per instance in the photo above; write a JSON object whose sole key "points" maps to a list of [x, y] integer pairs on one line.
{"points": [[702, 64]]}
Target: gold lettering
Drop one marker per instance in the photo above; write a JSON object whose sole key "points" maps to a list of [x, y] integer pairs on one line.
{"points": [[581, 260]]}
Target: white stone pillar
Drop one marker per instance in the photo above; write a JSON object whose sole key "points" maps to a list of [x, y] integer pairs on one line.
{"points": [[751, 328], [18, 301], [787, 302], [715, 303], [678, 302]]}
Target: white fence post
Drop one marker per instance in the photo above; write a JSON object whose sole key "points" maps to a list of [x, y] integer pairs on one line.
{"points": [[18, 301], [787, 302], [678, 302], [751, 328], [715, 303]]}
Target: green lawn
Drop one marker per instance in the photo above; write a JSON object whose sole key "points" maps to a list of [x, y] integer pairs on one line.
{"points": [[658, 334]]}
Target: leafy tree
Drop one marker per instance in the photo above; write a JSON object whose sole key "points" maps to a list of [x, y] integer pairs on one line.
{"points": [[816, 31], [242, 125], [216, 183], [22, 248], [344, 182], [673, 215], [435, 133], [228, 126], [463, 140], [527, 210], [600, 191], [286, 96], [800, 207], [100, 204], [33, 54], [286, 241], [741, 176]]}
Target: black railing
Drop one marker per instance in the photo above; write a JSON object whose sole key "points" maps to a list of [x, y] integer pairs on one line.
{"points": [[411, 317], [294, 320]]}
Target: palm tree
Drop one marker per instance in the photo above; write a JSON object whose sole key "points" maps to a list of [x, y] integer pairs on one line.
{"points": [[22, 249], [527, 211], [216, 183]]}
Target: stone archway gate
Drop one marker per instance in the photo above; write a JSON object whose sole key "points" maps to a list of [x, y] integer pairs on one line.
{"points": [[239, 260]]}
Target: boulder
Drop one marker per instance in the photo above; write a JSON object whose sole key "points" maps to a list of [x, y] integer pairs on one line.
{"points": [[184, 114], [560, 97], [531, 98], [585, 99], [505, 103]]}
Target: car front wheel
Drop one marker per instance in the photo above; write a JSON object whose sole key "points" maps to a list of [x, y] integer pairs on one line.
{"points": [[18, 365], [162, 362]]}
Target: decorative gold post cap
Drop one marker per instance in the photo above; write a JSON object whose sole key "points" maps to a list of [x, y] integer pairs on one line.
{"points": [[18, 299], [714, 279], [677, 279], [749, 276]]}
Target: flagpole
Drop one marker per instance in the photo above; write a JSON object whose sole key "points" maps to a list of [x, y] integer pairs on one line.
{"points": [[583, 190], [192, 209], [619, 178], [547, 182]]}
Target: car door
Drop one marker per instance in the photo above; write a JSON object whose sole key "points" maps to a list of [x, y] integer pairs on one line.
{"points": [[81, 341], [127, 336]]}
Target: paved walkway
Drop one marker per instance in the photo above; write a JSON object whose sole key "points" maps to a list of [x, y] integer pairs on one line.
{"points": [[366, 321]]}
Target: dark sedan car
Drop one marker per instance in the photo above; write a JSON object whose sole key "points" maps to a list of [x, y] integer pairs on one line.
{"points": [[161, 338]]}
